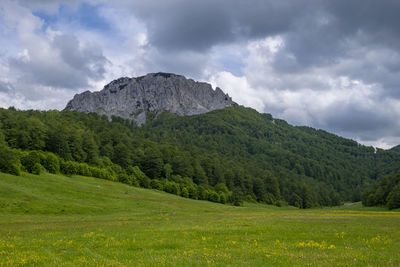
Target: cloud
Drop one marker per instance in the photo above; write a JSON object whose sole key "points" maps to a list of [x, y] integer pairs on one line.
{"points": [[42, 63], [200, 25], [59, 62], [239, 89], [5, 87]]}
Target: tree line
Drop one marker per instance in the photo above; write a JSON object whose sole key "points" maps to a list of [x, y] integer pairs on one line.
{"points": [[225, 156]]}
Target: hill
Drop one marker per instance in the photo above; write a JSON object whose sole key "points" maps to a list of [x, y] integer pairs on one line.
{"points": [[226, 155], [396, 148], [296, 156], [50, 194], [54, 220]]}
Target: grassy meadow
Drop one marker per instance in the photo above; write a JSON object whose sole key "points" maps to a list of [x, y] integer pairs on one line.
{"points": [[52, 220]]}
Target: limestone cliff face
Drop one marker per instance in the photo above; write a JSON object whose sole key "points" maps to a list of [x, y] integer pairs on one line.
{"points": [[155, 92]]}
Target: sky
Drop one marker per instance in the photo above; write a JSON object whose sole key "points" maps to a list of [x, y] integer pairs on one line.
{"points": [[332, 65]]}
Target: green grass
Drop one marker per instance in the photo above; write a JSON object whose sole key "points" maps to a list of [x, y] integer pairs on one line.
{"points": [[76, 221]]}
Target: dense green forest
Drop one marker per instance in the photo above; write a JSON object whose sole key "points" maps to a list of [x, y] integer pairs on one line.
{"points": [[226, 155], [396, 148], [386, 192]]}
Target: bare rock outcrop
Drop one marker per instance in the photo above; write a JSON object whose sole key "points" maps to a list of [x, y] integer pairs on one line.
{"points": [[132, 98]]}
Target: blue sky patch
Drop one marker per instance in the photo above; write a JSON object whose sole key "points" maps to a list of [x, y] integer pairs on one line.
{"points": [[86, 16]]}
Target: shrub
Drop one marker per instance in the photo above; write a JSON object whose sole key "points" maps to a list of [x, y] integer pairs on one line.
{"points": [[393, 200], [37, 169], [213, 196], [96, 172], [296, 200], [193, 193], [269, 198], [139, 176], [107, 174], [110, 174], [144, 182], [123, 178], [9, 162], [281, 203], [202, 192], [69, 167], [84, 169], [30, 160], [237, 197], [15, 169], [222, 198], [51, 163], [184, 192], [220, 187], [133, 181], [172, 188], [156, 184]]}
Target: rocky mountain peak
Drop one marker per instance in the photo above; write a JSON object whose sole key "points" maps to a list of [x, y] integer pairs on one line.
{"points": [[158, 92]]}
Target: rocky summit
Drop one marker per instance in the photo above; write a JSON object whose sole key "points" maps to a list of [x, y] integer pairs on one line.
{"points": [[160, 92]]}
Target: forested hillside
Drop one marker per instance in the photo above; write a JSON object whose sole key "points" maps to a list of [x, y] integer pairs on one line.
{"points": [[386, 192], [225, 155], [396, 148]]}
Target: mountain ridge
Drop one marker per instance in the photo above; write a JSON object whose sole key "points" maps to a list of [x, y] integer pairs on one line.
{"points": [[132, 98]]}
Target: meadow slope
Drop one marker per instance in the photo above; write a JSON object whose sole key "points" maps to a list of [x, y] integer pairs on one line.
{"points": [[79, 221]]}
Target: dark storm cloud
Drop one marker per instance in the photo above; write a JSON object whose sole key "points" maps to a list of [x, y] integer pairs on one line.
{"points": [[199, 25], [317, 32], [379, 20], [338, 30], [347, 117], [360, 122], [190, 29]]}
